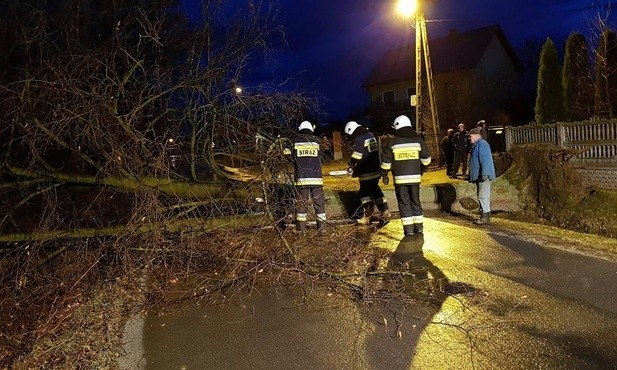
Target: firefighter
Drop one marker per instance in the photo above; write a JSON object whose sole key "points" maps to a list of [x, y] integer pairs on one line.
{"points": [[309, 182], [405, 156], [364, 164]]}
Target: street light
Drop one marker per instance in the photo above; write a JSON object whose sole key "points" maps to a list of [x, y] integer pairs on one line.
{"points": [[407, 8], [411, 9]]}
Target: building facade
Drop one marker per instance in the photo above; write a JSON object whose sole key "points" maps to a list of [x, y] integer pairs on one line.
{"points": [[475, 77]]}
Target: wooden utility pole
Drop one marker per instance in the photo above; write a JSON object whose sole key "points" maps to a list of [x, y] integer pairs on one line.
{"points": [[431, 132]]}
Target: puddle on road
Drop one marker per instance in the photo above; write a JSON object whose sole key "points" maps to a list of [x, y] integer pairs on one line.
{"points": [[280, 329], [286, 328]]}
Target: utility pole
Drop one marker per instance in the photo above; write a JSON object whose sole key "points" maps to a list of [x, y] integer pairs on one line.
{"points": [[410, 9], [431, 132]]}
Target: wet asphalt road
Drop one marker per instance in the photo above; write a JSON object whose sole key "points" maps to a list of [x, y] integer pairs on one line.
{"points": [[510, 304]]}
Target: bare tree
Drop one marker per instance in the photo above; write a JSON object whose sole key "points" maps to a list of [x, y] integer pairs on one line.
{"points": [[116, 97], [601, 31], [606, 75], [119, 132]]}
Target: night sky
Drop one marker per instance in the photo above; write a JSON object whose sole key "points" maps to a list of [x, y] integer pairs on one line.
{"points": [[333, 44]]}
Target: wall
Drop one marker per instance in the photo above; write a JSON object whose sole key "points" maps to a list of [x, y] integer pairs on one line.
{"points": [[602, 177], [593, 142]]}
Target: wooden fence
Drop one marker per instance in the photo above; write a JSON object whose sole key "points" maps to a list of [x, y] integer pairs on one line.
{"points": [[596, 140]]}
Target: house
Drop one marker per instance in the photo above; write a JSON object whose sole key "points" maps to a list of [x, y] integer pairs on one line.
{"points": [[475, 76]]}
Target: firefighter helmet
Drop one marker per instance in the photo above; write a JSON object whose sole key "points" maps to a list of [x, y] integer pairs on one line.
{"points": [[350, 127], [401, 121], [306, 125]]}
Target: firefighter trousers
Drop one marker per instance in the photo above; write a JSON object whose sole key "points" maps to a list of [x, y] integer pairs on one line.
{"points": [[410, 209], [305, 193], [370, 193]]}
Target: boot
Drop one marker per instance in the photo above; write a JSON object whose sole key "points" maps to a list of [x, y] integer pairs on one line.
{"points": [[367, 212], [418, 228], [301, 226], [485, 219], [320, 226], [281, 225], [385, 216], [408, 230]]}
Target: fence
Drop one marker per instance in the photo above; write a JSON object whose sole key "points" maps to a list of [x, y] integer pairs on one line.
{"points": [[595, 142]]}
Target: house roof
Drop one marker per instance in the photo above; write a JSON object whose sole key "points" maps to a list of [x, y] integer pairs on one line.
{"points": [[457, 51]]}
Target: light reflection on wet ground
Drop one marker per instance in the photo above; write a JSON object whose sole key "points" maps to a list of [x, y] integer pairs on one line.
{"points": [[476, 299]]}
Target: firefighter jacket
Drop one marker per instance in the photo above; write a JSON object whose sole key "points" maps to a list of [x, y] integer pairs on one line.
{"points": [[307, 160], [365, 157], [405, 156]]}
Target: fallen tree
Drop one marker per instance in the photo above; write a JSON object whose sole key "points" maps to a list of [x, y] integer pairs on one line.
{"points": [[552, 190], [146, 103], [120, 131]]}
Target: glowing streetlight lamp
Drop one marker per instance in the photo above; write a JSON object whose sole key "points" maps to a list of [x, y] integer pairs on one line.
{"points": [[407, 8]]}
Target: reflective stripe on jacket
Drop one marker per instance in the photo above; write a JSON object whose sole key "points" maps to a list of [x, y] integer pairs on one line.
{"points": [[365, 156], [307, 160], [405, 157]]}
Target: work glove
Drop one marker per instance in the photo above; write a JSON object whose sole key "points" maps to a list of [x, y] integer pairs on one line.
{"points": [[484, 178], [385, 179]]}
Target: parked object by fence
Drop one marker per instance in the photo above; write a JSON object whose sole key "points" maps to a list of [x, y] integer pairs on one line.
{"points": [[595, 143]]}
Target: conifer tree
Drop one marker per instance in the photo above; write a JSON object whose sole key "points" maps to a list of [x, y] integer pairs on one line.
{"points": [[606, 75], [549, 101], [576, 79]]}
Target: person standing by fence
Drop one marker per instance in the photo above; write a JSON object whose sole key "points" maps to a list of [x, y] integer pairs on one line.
{"points": [[460, 141], [447, 151], [483, 129], [481, 172]]}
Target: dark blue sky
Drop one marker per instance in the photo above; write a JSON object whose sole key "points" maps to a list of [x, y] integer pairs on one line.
{"points": [[333, 44]]}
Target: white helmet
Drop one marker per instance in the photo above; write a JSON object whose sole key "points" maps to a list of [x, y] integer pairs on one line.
{"points": [[400, 122], [350, 127], [306, 125]]}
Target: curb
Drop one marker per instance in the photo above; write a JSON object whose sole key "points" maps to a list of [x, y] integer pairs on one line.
{"points": [[441, 197]]}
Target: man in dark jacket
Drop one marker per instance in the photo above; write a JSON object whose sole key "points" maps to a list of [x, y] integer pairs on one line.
{"points": [[309, 182], [481, 172], [460, 141], [364, 164], [405, 156], [447, 151]]}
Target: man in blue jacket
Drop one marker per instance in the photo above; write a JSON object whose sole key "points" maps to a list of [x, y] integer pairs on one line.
{"points": [[481, 172]]}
